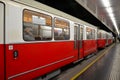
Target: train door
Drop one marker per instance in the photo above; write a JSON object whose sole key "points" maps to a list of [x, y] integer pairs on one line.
{"points": [[1, 41], [78, 37]]}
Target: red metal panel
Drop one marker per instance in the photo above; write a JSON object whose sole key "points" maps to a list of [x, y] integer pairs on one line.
{"points": [[101, 43], [109, 41], [89, 46], [42, 56], [1, 62], [81, 51]]}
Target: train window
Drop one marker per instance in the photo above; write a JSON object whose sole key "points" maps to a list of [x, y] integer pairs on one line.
{"points": [[61, 30], [99, 35], [93, 33], [103, 35], [81, 33], [106, 36], [89, 33], [75, 33], [36, 26]]}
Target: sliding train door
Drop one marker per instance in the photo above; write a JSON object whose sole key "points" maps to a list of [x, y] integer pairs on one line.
{"points": [[1, 41], [78, 38]]}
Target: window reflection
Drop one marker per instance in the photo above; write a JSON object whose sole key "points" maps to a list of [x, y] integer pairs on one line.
{"points": [[37, 26], [61, 30]]}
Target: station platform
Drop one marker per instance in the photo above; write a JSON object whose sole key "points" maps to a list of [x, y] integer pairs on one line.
{"points": [[104, 65]]}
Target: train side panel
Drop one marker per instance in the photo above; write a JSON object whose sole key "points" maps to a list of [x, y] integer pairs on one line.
{"points": [[101, 39], [90, 46], [2, 41], [101, 43], [110, 40], [30, 59], [78, 40], [36, 59], [2, 62], [89, 42]]}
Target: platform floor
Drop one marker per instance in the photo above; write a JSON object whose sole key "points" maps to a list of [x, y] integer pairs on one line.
{"points": [[103, 66]]}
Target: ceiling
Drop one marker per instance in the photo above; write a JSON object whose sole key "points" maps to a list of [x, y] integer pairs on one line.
{"points": [[73, 8], [115, 4]]}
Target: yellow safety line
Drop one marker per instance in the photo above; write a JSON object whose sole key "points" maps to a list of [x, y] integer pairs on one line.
{"points": [[88, 66]]}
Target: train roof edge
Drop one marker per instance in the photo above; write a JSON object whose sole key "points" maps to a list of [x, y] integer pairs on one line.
{"points": [[52, 10]]}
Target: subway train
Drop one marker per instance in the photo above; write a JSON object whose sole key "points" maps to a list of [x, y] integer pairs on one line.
{"points": [[37, 40], [104, 39]]}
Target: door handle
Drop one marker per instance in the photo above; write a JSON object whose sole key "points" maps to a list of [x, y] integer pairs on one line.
{"points": [[15, 54]]}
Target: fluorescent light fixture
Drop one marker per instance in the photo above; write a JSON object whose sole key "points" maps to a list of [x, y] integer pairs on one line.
{"points": [[106, 3], [112, 18], [111, 15], [109, 10], [115, 25]]}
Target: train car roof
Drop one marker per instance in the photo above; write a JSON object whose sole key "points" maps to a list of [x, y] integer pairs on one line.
{"points": [[51, 10]]}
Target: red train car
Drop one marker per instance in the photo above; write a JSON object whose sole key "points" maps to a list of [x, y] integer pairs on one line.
{"points": [[89, 40], [35, 40], [109, 38], [101, 39], [104, 39], [2, 41]]}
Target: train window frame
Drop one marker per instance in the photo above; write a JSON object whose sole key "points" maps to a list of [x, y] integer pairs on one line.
{"points": [[61, 38], [93, 34], [43, 14], [81, 32], [102, 35], [89, 36], [99, 35]]}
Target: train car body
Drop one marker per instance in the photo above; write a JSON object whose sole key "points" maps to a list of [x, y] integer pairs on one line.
{"points": [[90, 40], [101, 39], [104, 39], [36, 39], [87, 39], [2, 46], [109, 38], [27, 58]]}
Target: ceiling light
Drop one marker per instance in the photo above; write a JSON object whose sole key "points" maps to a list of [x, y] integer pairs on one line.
{"points": [[106, 3], [111, 15], [109, 10]]}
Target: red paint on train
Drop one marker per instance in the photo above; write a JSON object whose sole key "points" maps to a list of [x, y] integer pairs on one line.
{"points": [[101, 43], [39, 55], [34, 55], [109, 41], [89, 47], [1, 62], [81, 51]]}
